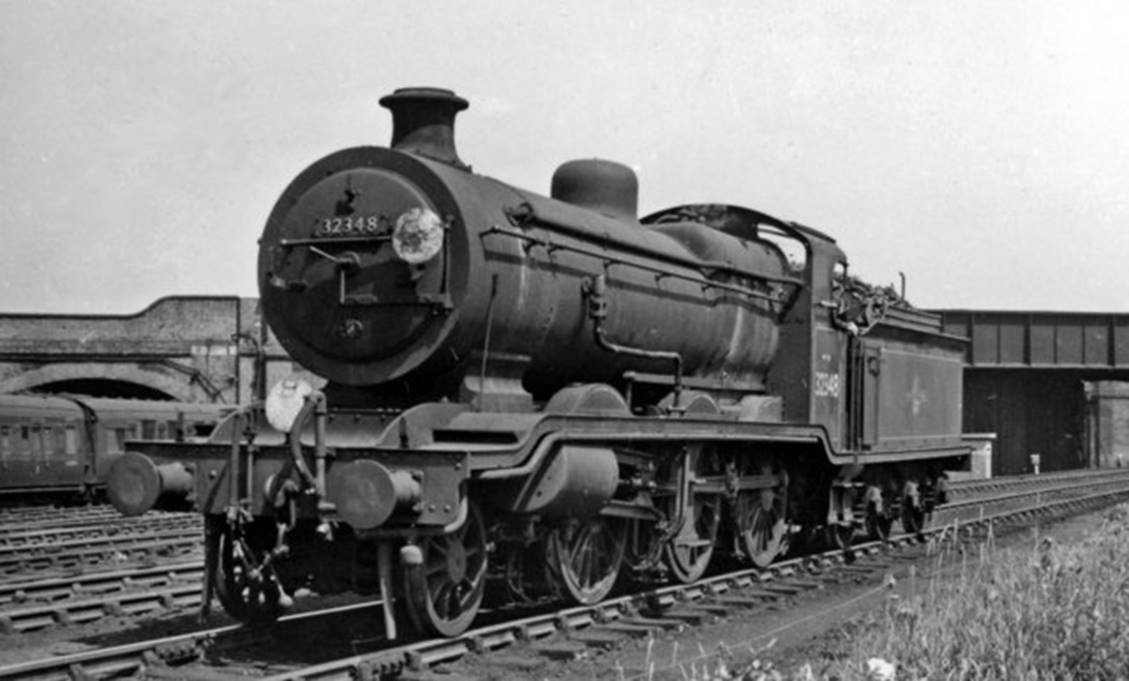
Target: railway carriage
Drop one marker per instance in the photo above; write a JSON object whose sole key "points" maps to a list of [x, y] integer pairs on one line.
{"points": [[60, 448], [540, 396]]}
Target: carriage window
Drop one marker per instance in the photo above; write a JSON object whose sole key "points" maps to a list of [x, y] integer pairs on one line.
{"points": [[22, 443], [162, 430], [47, 443], [52, 441], [70, 444], [5, 443], [36, 441], [115, 439]]}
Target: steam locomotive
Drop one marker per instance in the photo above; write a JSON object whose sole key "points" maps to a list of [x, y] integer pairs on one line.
{"points": [[534, 397], [61, 449]]}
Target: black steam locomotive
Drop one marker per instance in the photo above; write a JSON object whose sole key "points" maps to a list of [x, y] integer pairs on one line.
{"points": [[535, 397]]}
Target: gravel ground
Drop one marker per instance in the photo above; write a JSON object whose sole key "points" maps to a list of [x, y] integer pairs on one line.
{"points": [[107, 631]]}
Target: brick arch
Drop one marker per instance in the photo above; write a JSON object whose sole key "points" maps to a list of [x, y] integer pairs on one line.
{"points": [[175, 385]]}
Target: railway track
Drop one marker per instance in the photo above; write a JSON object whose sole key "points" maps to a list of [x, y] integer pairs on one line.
{"points": [[40, 515], [24, 537], [966, 509], [569, 632], [27, 606], [60, 539], [32, 605], [84, 554], [965, 488]]}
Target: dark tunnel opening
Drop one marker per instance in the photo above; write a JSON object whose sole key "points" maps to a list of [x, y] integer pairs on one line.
{"points": [[100, 387]]}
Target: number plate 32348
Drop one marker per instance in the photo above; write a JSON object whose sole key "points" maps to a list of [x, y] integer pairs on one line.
{"points": [[359, 225]]}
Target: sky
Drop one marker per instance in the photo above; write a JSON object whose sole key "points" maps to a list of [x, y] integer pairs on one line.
{"points": [[982, 148]]}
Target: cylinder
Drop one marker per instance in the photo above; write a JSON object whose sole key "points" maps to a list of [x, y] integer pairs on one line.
{"points": [[136, 483], [366, 493], [575, 481]]}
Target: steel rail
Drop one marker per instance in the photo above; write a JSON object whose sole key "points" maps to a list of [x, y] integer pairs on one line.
{"points": [[17, 564], [1043, 479], [55, 588], [51, 515], [31, 605], [664, 607], [80, 611], [738, 589], [1023, 493], [135, 658], [31, 537], [10, 553], [35, 605]]}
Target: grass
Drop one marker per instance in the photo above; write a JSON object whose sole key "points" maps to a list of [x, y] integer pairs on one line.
{"points": [[1043, 611]]}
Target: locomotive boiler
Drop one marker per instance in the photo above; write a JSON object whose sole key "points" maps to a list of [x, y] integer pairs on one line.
{"points": [[536, 397]]}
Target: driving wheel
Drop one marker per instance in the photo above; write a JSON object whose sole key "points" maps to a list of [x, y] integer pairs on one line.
{"points": [[761, 522], [687, 554], [584, 557], [444, 592]]}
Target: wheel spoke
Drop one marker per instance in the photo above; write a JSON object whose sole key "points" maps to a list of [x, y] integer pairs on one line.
{"points": [[579, 542], [585, 559], [688, 554], [584, 573], [437, 603], [601, 555], [468, 595], [441, 599], [254, 600], [760, 517], [454, 600]]}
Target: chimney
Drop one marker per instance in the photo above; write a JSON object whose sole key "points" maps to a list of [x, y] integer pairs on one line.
{"points": [[423, 122]]}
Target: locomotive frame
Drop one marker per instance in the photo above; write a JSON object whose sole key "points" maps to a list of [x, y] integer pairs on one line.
{"points": [[517, 410]]}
